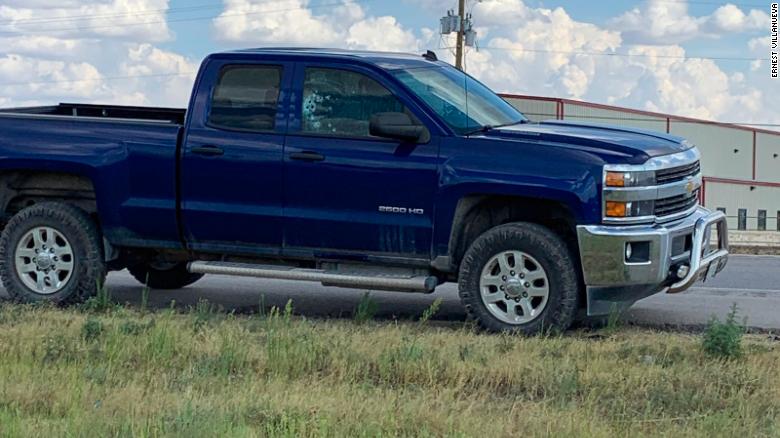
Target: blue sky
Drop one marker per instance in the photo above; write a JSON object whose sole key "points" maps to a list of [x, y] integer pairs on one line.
{"points": [[640, 54]]}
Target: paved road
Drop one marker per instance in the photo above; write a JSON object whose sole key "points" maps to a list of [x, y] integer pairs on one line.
{"points": [[753, 282]]}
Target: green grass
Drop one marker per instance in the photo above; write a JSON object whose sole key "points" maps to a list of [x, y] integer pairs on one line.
{"points": [[121, 372]]}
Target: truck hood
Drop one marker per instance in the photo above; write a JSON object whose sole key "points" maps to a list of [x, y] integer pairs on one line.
{"points": [[637, 144]]}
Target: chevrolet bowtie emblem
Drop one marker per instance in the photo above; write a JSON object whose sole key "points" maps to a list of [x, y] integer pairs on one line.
{"points": [[689, 187]]}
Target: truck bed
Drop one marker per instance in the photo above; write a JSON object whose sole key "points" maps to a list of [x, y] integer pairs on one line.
{"points": [[127, 153], [172, 115]]}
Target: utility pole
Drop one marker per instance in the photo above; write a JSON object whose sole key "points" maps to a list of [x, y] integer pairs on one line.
{"points": [[462, 26], [461, 32]]}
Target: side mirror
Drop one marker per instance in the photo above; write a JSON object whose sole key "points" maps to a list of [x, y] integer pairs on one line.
{"points": [[398, 126]]}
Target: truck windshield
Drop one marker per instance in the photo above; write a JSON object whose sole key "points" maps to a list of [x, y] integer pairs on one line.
{"points": [[462, 102]]}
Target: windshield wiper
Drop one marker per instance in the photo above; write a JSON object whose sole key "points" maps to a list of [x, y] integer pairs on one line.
{"points": [[487, 128]]}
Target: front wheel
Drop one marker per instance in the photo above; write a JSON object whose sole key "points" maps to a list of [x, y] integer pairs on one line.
{"points": [[51, 252], [164, 275], [519, 277]]}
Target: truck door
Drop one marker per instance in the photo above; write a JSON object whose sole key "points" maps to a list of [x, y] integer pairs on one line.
{"points": [[345, 190], [231, 172]]}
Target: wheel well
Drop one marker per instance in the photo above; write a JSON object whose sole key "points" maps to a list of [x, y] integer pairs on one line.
{"points": [[477, 214], [20, 189]]}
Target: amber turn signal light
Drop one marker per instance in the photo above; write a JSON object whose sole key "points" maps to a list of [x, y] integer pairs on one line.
{"points": [[616, 179], [617, 209]]}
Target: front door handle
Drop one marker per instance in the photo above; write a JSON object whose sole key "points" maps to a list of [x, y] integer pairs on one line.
{"points": [[208, 150], [307, 156]]}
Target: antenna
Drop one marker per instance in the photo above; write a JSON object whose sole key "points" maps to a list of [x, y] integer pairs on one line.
{"points": [[466, 89], [430, 55]]}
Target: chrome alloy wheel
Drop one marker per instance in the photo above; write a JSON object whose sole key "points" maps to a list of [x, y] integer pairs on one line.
{"points": [[514, 287], [44, 260]]}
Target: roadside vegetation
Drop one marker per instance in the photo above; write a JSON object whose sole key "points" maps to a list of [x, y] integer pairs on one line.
{"points": [[107, 370]]}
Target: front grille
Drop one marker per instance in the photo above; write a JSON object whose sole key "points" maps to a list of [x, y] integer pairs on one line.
{"points": [[674, 174], [675, 204]]}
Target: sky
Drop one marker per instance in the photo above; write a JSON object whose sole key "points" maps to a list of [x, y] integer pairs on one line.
{"points": [[699, 58]]}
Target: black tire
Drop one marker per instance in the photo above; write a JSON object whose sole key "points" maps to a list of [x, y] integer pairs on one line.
{"points": [[174, 277], [89, 268], [543, 245]]}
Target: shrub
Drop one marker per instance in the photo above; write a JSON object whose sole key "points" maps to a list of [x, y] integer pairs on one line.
{"points": [[366, 309], [101, 302], [133, 328], [92, 329], [203, 313], [724, 339]]}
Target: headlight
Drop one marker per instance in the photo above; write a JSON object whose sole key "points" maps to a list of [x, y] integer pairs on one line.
{"points": [[662, 188], [629, 179]]}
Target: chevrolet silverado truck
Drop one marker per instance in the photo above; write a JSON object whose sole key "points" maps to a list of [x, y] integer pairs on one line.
{"points": [[366, 170]]}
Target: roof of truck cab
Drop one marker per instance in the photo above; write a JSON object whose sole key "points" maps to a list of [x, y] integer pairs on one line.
{"points": [[385, 60]]}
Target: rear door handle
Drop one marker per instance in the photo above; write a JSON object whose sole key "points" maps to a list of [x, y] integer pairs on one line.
{"points": [[307, 156], [208, 150]]}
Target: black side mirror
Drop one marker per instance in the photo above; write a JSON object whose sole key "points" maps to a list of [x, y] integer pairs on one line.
{"points": [[398, 126]]}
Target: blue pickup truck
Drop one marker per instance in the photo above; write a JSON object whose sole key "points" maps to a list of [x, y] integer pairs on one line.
{"points": [[367, 170]]}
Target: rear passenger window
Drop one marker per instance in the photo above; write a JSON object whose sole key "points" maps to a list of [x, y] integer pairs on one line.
{"points": [[341, 103], [246, 98]]}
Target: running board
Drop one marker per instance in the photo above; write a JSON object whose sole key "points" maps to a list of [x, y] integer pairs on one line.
{"points": [[397, 283]]}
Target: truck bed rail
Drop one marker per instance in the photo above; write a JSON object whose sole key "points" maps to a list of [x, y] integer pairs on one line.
{"points": [[172, 115]]}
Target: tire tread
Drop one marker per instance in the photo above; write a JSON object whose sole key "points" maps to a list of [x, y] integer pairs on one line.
{"points": [[562, 308], [91, 272]]}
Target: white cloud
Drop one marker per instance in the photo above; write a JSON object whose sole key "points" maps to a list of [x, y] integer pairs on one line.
{"points": [[729, 18], [133, 19], [664, 22], [288, 22], [46, 46], [78, 80], [294, 22], [43, 63], [166, 77], [364, 35]]}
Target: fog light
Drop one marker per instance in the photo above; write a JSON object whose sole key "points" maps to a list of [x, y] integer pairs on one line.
{"points": [[629, 251], [682, 271]]}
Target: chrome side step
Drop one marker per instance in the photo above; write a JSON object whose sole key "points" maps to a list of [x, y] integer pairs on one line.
{"points": [[394, 282]]}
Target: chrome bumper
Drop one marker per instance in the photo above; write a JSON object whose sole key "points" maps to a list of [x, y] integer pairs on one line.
{"points": [[679, 254]]}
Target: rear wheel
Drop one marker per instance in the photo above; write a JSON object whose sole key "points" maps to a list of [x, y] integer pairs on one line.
{"points": [[519, 277], [51, 252], [163, 275]]}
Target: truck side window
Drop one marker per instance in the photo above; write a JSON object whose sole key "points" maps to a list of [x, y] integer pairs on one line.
{"points": [[341, 103], [246, 98]]}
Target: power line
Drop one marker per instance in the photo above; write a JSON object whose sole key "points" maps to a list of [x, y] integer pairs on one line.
{"points": [[103, 78], [616, 54], [447, 48], [180, 20], [649, 119], [702, 2], [111, 15], [220, 5]]}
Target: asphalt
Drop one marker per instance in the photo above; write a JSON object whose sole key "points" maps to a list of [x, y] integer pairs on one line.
{"points": [[752, 282]]}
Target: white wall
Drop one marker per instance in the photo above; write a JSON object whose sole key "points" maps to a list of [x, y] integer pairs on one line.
{"points": [[583, 113], [768, 158], [726, 152], [732, 197]]}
